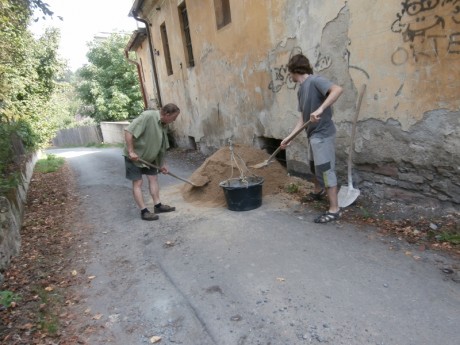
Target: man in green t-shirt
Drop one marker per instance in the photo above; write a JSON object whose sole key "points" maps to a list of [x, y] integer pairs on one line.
{"points": [[147, 138]]}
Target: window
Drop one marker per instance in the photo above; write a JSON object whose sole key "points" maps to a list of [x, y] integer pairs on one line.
{"points": [[167, 53], [186, 35], [223, 16]]}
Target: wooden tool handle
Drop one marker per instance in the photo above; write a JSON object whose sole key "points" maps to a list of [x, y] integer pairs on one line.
{"points": [[353, 134], [296, 133], [168, 173]]}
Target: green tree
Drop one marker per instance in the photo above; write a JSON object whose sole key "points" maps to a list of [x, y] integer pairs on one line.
{"points": [[29, 70], [108, 86]]}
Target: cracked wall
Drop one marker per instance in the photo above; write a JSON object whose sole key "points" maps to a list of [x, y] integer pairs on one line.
{"points": [[407, 53]]}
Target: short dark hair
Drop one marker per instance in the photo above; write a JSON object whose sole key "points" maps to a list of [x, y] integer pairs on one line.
{"points": [[299, 64], [169, 109]]}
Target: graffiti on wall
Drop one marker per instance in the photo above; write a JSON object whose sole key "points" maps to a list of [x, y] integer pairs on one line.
{"points": [[280, 75], [430, 27], [322, 61]]}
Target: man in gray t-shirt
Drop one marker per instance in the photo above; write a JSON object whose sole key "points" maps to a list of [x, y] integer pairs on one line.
{"points": [[316, 95]]}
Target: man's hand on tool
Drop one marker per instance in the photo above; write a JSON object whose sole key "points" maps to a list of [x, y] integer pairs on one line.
{"points": [[133, 156], [164, 169], [316, 115], [285, 143]]}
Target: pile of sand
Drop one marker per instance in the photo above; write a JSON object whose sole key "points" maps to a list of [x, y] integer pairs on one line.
{"points": [[218, 168]]}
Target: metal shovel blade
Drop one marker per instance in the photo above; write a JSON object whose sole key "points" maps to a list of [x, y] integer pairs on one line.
{"points": [[347, 195]]}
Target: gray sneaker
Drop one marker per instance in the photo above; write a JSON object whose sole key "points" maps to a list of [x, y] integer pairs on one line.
{"points": [[149, 216]]}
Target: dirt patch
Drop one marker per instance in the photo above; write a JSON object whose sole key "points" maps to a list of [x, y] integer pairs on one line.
{"points": [[224, 165]]}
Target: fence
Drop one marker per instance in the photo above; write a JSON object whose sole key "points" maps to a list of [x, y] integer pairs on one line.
{"points": [[78, 136]]}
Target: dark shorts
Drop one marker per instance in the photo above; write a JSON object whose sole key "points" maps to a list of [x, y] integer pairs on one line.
{"points": [[135, 173]]}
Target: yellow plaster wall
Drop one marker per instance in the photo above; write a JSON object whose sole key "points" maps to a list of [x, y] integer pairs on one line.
{"points": [[238, 67], [411, 55]]}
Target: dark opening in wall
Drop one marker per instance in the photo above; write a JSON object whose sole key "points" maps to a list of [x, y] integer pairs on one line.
{"points": [[172, 140], [270, 145], [192, 143]]}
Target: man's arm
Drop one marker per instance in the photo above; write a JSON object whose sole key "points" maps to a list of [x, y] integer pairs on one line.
{"points": [[130, 146], [288, 139], [333, 94]]}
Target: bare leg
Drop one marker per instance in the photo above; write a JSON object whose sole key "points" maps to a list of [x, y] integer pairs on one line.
{"points": [[333, 201], [137, 193], [318, 187], [154, 188]]}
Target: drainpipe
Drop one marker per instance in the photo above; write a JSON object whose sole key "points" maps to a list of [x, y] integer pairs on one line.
{"points": [[152, 57], [139, 73]]}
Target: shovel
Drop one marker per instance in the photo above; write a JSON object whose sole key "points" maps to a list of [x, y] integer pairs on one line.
{"points": [[199, 184], [347, 195], [268, 161]]}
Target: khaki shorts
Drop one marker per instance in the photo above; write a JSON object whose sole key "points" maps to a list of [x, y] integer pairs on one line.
{"points": [[321, 155], [134, 173]]}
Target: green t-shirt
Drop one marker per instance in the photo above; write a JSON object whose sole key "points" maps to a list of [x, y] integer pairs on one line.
{"points": [[150, 137]]}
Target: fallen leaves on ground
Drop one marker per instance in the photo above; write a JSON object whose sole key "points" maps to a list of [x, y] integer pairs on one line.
{"points": [[40, 276]]}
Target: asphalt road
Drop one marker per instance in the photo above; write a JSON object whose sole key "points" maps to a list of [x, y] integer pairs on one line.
{"points": [[203, 276]]}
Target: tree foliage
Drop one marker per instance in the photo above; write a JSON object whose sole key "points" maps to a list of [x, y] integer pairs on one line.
{"points": [[30, 70], [108, 86]]}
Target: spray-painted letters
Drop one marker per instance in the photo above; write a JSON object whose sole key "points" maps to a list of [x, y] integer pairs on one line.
{"points": [[430, 27]]}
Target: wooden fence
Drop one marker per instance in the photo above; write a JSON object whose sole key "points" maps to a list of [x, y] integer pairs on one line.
{"points": [[78, 136]]}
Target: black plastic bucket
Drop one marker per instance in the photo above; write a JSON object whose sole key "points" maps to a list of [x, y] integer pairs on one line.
{"points": [[243, 195]]}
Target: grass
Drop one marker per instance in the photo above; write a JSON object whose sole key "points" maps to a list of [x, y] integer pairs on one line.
{"points": [[50, 163], [8, 297], [451, 237], [365, 213], [292, 188], [8, 181], [48, 319]]}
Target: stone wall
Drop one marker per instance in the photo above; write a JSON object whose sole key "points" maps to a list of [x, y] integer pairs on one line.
{"points": [[11, 215]]}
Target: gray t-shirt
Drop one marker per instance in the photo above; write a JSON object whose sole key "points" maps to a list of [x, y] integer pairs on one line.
{"points": [[312, 93]]}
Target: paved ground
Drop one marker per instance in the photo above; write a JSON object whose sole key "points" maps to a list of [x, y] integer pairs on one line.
{"points": [[203, 276]]}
